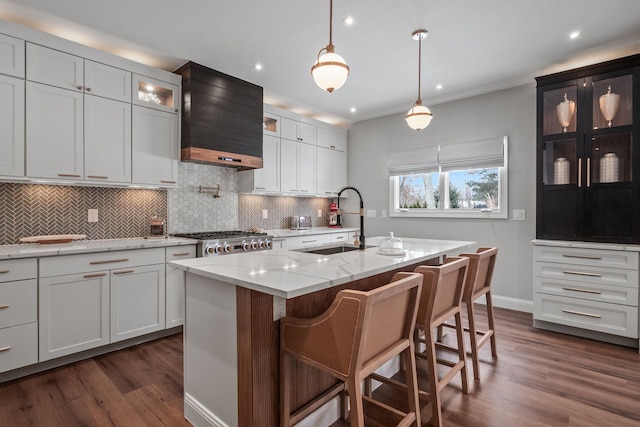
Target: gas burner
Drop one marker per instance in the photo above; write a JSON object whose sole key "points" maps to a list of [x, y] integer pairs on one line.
{"points": [[228, 242]]}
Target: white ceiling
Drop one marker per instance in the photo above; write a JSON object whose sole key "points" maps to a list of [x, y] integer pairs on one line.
{"points": [[474, 46]]}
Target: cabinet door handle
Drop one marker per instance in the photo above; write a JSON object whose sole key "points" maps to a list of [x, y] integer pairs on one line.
{"points": [[582, 256], [94, 275], [582, 273], [4, 306], [4, 271], [588, 171], [580, 313], [579, 172], [123, 271], [97, 177], [5, 348], [107, 261], [181, 254], [168, 182], [68, 175], [88, 89], [79, 87], [586, 291]]}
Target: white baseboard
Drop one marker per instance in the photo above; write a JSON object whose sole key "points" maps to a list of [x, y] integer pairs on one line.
{"points": [[200, 416], [509, 303]]}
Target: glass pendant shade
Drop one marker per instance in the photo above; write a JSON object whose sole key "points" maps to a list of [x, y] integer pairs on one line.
{"points": [[330, 71], [419, 116]]}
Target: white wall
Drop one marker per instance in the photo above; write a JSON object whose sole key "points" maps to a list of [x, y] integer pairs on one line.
{"points": [[510, 112]]}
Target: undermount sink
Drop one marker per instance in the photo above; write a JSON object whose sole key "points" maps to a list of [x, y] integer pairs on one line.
{"points": [[330, 250]]}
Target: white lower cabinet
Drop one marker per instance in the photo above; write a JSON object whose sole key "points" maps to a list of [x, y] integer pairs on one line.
{"points": [[175, 285], [73, 313], [307, 240], [137, 301], [588, 288]]}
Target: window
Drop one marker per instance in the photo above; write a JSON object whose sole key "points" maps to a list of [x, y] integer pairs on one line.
{"points": [[466, 180]]}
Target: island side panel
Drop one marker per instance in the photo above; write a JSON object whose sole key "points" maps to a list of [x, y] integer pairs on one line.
{"points": [[258, 363]]}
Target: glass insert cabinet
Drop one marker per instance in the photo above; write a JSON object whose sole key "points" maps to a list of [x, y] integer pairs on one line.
{"points": [[588, 153]]}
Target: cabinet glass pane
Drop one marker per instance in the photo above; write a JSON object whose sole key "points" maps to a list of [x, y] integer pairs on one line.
{"points": [[559, 166], [155, 94], [270, 124], [613, 102], [559, 110], [611, 158]]}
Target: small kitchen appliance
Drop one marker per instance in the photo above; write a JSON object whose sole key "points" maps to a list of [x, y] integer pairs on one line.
{"points": [[300, 222], [212, 243], [333, 216]]}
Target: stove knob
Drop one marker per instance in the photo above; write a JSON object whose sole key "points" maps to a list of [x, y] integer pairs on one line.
{"points": [[261, 244], [210, 250], [245, 246], [254, 244], [269, 244], [218, 249], [227, 247]]}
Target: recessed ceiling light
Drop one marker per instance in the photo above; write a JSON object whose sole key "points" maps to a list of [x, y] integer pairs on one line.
{"points": [[574, 35], [258, 66], [439, 86], [348, 20], [353, 109]]}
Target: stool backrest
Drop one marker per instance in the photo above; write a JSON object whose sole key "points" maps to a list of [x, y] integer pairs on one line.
{"points": [[442, 290], [481, 265]]}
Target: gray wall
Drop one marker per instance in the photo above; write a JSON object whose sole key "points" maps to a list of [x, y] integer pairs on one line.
{"points": [[508, 112]]}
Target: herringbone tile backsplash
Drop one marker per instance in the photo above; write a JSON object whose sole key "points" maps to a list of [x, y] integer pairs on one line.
{"points": [[35, 209], [279, 211]]}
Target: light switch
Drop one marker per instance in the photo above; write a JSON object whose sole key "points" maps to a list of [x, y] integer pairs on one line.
{"points": [[265, 214], [384, 213], [92, 215], [518, 214], [319, 213], [371, 213]]}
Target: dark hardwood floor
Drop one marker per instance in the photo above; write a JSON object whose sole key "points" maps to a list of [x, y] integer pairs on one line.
{"points": [[539, 379]]}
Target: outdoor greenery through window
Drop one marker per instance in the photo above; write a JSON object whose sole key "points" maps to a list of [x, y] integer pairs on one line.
{"points": [[464, 181]]}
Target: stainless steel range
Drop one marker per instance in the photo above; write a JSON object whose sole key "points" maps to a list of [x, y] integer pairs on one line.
{"points": [[228, 242]]}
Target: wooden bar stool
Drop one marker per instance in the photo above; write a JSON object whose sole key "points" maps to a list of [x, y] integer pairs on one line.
{"points": [[441, 299], [478, 283], [356, 335]]}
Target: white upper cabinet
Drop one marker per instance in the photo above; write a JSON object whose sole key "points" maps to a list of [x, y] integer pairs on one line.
{"points": [[298, 168], [332, 140], [11, 126], [271, 124], [54, 126], [106, 81], [11, 56], [55, 68], [297, 131], [154, 147], [332, 171], [155, 94]]}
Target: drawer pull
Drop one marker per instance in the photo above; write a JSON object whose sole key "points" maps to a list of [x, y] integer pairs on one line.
{"points": [[69, 175], [309, 241], [340, 237], [107, 261], [123, 271], [580, 313], [4, 271], [97, 177], [582, 256], [87, 276], [5, 349], [586, 291], [4, 306], [168, 182], [181, 254], [582, 273]]}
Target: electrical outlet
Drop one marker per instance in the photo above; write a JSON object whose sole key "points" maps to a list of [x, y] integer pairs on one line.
{"points": [[371, 213], [92, 215], [319, 213], [519, 215], [279, 307], [265, 214]]}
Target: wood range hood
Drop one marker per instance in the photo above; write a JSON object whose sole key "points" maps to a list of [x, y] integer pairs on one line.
{"points": [[221, 119]]}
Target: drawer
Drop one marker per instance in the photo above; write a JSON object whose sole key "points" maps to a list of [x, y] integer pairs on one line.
{"points": [[594, 292], [589, 257], [175, 253], [18, 302], [310, 240], [341, 237], [613, 319], [100, 261], [18, 269], [586, 274], [18, 346]]}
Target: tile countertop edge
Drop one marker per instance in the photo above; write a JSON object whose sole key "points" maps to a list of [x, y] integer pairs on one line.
{"points": [[314, 281], [35, 250], [587, 245]]}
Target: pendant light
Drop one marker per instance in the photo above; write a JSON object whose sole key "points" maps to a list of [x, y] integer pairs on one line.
{"points": [[419, 116], [330, 70]]}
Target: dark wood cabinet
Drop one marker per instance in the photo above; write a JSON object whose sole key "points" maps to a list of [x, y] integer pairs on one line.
{"points": [[588, 153]]}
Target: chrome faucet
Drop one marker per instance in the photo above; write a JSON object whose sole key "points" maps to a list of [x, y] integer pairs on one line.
{"points": [[361, 246]]}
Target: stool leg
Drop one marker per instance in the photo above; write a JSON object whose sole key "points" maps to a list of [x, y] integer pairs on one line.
{"points": [[355, 400], [412, 383], [462, 354], [432, 370], [494, 351], [473, 338]]}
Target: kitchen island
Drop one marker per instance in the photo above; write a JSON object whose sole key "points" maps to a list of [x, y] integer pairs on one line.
{"points": [[233, 303]]}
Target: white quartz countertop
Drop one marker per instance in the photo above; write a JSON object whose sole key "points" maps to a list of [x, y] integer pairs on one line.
{"points": [[285, 232], [290, 273], [32, 250]]}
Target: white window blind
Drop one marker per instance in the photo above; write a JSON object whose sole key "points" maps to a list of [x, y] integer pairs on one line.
{"points": [[488, 153], [415, 160]]}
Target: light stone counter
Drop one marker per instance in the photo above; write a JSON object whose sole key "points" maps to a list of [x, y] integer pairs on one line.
{"points": [[33, 250], [290, 273]]}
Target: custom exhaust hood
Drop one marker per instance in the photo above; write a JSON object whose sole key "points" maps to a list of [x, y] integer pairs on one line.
{"points": [[221, 118]]}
